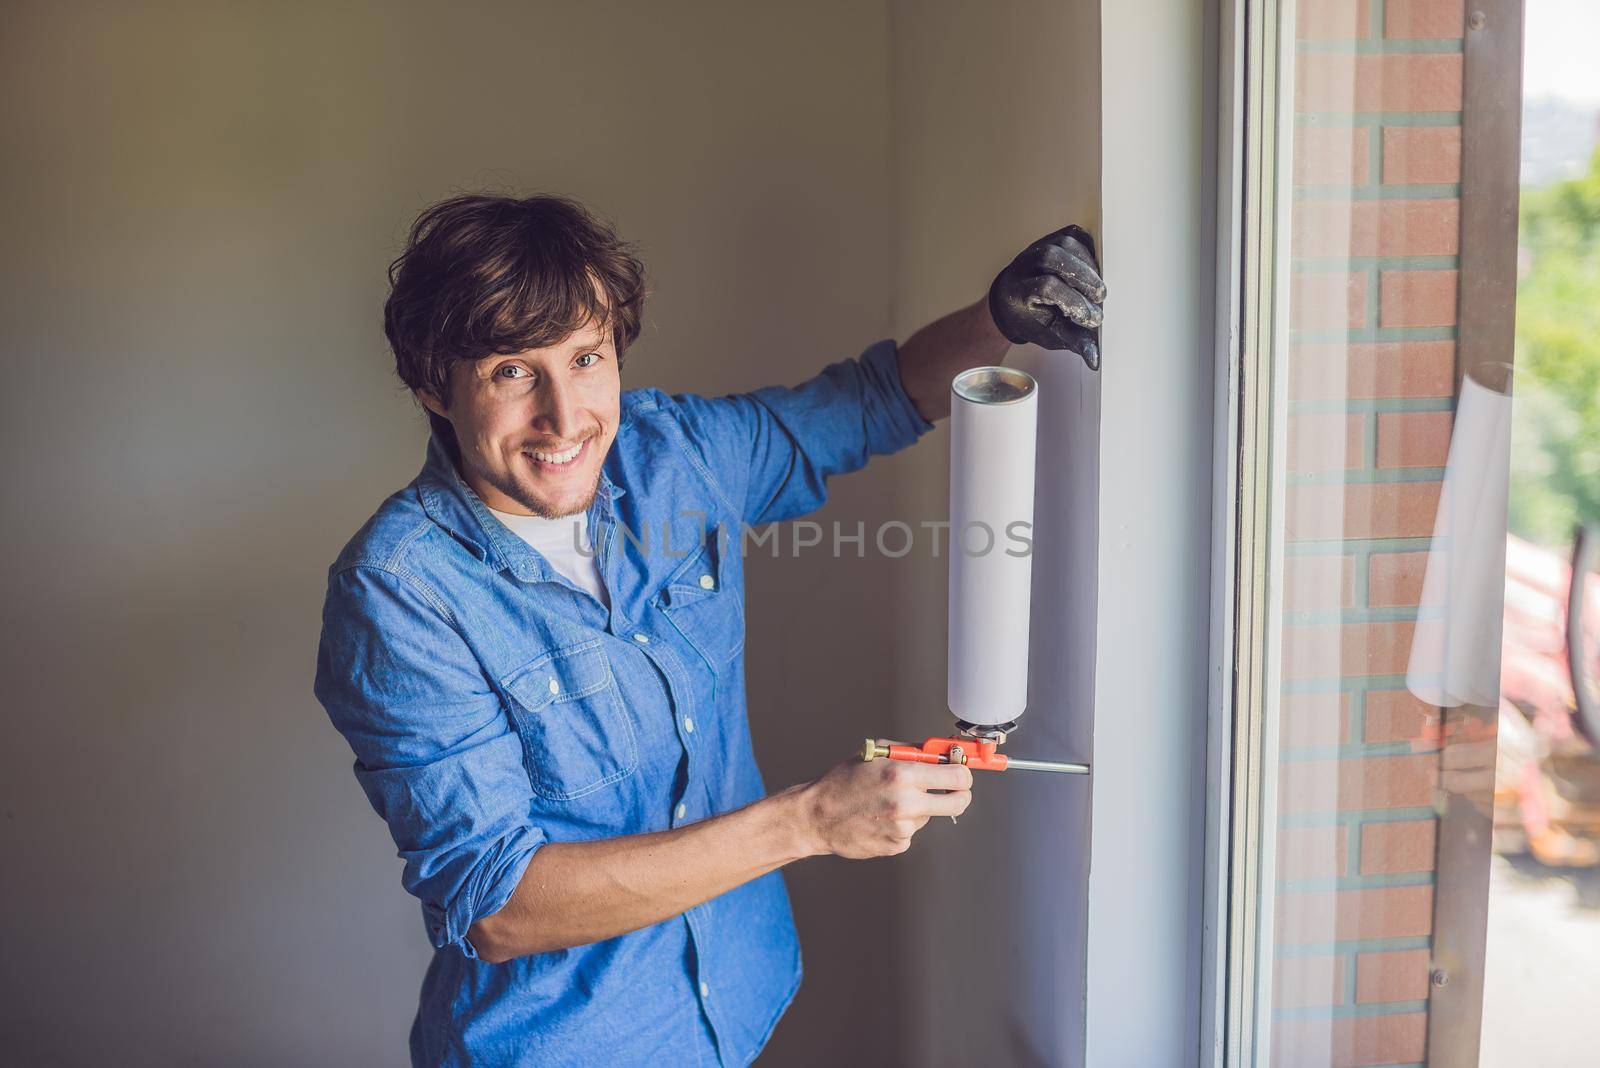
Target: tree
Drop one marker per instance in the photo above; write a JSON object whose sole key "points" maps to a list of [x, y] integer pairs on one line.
{"points": [[1555, 456]]}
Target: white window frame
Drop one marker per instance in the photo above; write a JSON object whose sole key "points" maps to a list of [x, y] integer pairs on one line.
{"points": [[1247, 556]]}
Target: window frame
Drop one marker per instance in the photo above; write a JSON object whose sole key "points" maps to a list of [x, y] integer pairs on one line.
{"points": [[1248, 478]]}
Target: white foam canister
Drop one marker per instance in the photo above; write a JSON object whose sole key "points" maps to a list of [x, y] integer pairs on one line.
{"points": [[993, 423]]}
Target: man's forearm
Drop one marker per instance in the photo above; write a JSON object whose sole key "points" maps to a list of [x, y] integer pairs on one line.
{"points": [[944, 348], [574, 893]]}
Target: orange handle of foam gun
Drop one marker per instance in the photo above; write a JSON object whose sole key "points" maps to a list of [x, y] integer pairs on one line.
{"points": [[979, 754], [976, 753]]}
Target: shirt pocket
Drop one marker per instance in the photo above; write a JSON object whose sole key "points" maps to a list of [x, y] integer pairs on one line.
{"points": [[576, 737], [705, 606]]}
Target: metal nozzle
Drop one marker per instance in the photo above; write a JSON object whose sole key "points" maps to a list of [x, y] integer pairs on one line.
{"points": [[1047, 765], [870, 750]]}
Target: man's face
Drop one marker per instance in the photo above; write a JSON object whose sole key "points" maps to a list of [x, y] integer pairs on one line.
{"points": [[534, 427]]}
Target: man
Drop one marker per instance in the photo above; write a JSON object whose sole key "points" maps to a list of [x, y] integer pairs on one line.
{"points": [[535, 648]]}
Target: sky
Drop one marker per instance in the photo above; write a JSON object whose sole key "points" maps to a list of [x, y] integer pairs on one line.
{"points": [[1561, 42]]}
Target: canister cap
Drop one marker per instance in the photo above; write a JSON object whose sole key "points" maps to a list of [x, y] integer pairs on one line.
{"points": [[994, 385]]}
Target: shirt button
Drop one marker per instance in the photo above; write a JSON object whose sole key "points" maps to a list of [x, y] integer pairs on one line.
{"points": [[555, 687], [688, 724], [705, 989], [642, 639], [683, 810], [707, 582]]}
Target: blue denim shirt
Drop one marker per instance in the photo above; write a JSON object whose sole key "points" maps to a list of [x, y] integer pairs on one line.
{"points": [[494, 707]]}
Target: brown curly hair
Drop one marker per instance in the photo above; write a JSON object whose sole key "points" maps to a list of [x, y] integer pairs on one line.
{"points": [[483, 275]]}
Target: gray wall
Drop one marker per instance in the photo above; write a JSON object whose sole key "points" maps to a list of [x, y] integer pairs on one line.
{"points": [[201, 200], [1155, 519]]}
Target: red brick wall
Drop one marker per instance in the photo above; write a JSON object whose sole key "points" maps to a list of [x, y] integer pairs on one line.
{"points": [[1374, 245]]}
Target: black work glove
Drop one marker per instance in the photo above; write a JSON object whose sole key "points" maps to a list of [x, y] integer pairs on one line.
{"points": [[1050, 295]]}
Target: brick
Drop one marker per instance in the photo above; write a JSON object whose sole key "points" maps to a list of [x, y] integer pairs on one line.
{"points": [[1401, 1038], [1365, 370], [1413, 227], [1362, 510], [1438, 19], [1312, 852], [1333, 20], [1401, 975], [1347, 915], [1320, 300], [1397, 716], [1417, 298], [1394, 848], [1327, 441], [1414, 439], [1307, 982], [1421, 155], [1380, 782], [1350, 915], [1343, 82], [1391, 781], [1326, 650], [1395, 579], [1331, 155], [1307, 719], [1312, 583], [1328, 228]]}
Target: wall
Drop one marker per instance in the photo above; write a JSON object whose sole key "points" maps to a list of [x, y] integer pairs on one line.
{"points": [[996, 141], [202, 201], [1151, 668]]}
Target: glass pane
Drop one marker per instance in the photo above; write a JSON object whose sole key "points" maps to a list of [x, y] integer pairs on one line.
{"points": [[1392, 531], [1431, 810]]}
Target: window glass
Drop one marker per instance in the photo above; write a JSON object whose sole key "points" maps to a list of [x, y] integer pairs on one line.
{"points": [[1366, 660]]}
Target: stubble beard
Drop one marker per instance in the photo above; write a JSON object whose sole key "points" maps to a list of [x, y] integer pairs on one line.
{"points": [[524, 496], [544, 510]]}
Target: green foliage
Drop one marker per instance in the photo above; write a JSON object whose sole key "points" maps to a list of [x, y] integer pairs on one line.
{"points": [[1555, 459]]}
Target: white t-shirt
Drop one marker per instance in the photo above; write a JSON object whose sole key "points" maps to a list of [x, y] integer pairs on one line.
{"points": [[564, 542]]}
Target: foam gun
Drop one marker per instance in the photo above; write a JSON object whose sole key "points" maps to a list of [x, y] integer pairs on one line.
{"points": [[993, 424]]}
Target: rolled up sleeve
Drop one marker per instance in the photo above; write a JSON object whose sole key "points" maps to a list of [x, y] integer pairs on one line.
{"points": [[774, 449], [435, 753]]}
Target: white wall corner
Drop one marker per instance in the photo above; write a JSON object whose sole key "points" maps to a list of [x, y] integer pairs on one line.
{"points": [[1155, 448]]}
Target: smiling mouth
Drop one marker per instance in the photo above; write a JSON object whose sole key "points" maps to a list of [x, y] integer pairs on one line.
{"points": [[558, 459]]}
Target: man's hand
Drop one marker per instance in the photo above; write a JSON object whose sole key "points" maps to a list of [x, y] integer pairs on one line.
{"points": [[1051, 294], [865, 809]]}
